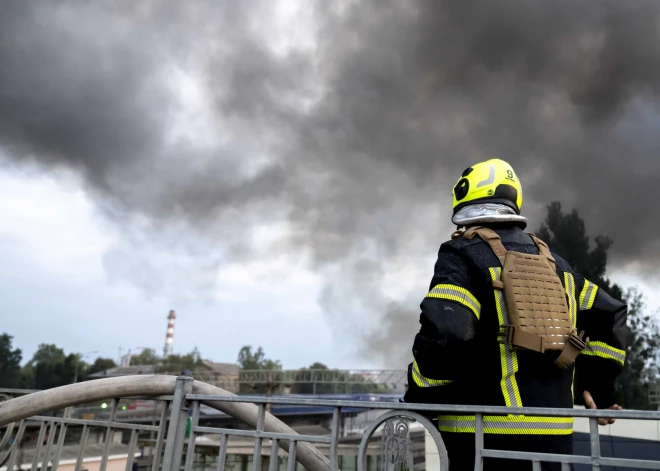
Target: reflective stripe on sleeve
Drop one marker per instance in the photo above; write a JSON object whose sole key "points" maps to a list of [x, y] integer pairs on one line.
{"points": [[601, 349], [507, 425], [588, 295], [569, 285], [424, 382], [458, 294]]}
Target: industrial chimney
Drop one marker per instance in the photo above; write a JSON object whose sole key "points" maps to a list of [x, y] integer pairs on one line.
{"points": [[169, 338]]}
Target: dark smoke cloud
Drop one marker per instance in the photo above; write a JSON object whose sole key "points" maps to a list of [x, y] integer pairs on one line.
{"points": [[354, 140]]}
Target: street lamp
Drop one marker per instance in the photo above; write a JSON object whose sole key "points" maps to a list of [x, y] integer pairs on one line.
{"points": [[81, 357]]}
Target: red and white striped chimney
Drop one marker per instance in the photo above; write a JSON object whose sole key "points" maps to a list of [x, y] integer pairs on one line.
{"points": [[169, 339]]}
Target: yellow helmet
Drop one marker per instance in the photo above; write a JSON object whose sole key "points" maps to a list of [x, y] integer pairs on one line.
{"points": [[493, 181]]}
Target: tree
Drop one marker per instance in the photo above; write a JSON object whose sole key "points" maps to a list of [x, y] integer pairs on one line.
{"points": [[50, 367], [10, 363], [179, 363], [642, 366], [566, 235], [147, 356], [249, 360], [101, 364]]}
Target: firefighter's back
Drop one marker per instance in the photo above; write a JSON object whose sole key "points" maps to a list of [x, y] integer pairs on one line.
{"points": [[499, 327]]}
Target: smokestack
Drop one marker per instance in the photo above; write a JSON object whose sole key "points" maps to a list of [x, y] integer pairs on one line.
{"points": [[169, 338]]}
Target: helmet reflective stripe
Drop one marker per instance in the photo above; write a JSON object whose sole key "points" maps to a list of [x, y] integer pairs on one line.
{"points": [[491, 181]]}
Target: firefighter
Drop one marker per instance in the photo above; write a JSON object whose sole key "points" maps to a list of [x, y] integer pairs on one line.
{"points": [[484, 340]]}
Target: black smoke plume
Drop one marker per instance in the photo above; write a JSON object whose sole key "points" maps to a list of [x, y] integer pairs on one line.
{"points": [[349, 124]]}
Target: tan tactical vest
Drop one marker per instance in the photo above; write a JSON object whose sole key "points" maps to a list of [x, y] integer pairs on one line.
{"points": [[535, 298]]}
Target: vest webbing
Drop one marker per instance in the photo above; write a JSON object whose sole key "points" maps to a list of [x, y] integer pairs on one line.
{"points": [[535, 298]]}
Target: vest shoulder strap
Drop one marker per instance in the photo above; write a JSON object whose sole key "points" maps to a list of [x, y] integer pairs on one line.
{"points": [[544, 250], [491, 238]]}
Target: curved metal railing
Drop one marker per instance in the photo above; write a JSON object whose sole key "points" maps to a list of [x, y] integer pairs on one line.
{"points": [[32, 405]]}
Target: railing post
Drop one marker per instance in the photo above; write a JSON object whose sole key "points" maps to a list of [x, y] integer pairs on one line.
{"points": [[335, 438], [478, 442], [595, 443], [176, 433]]}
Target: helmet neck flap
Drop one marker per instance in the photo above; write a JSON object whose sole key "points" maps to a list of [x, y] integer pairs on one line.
{"points": [[485, 213]]}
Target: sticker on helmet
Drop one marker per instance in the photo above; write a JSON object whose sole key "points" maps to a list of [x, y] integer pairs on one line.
{"points": [[461, 189]]}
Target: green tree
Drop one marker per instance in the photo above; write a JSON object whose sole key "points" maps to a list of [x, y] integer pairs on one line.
{"points": [[642, 365], [567, 236], [10, 363], [249, 360], [147, 356], [179, 363], [101, 364], [50, 367]]}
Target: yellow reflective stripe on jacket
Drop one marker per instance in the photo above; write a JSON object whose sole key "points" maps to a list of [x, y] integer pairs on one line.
{"points": [[569, 285], [508, 358], [588, 295], [424, 382], [458, 294], [601, 349], [507, 425]]}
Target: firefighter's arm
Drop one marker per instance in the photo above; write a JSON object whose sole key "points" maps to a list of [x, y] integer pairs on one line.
{"points": [[449, 319], [603, 319]]}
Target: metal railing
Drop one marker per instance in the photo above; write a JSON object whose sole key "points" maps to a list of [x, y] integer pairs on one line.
{"points": [[400, 413], [178, 436], [314, 381], [164, 438]]}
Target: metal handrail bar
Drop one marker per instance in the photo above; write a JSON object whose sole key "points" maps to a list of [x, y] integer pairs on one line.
{"points": [[258, 434], [97, 423], [40, 402], [575, 459], [463, 409], [150, 385]]}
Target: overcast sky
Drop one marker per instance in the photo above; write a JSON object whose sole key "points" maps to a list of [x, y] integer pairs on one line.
{"points": [[56, 288], [279, 172]]}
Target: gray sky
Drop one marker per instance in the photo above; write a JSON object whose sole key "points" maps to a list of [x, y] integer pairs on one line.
{"points": [[252, 162]]}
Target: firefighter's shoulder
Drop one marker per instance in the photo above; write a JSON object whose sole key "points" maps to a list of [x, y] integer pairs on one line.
{"points": [[562, 264]]}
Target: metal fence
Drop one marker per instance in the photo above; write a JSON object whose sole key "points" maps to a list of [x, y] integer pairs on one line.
{"points": [[173, 436], [310, 381]]}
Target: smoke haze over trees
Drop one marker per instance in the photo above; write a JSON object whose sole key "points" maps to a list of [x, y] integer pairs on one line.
{"points": [[332, 132]]}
